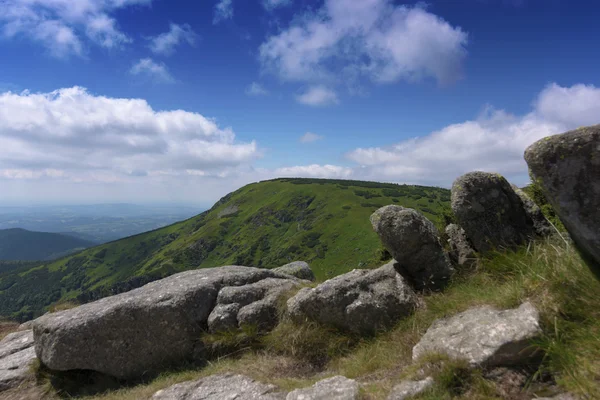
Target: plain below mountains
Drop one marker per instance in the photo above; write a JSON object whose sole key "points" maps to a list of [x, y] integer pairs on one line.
{"points": [[23, 245], [265, 224]]}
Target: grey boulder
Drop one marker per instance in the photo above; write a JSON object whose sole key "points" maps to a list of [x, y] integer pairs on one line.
{"points": [[16, 356], [298, 269], [253, 304], [141, 331], [484, 336], [408, 389], [220, 387], [490, 211], [541, 225], [360, 301], [461, 251], [336, 388], [414, 242], [568, 169]]}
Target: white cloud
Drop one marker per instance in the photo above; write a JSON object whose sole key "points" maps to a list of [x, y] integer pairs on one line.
{"points": [[314, 171], [370, 38], [495, 141], [165, 43], [62, 25], [256, 89], [272, 4], [77, 136], [309, 137], [223, 11], [153, 70], [317, 96]]}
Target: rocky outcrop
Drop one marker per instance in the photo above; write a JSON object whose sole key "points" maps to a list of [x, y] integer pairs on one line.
{"points": [[407, 389], [144, 330], [484, 336], [220, 387], [16, 356], [361, 301], [414, 243], [490, 211], [336, 388], [567, 167], [253, 304], [541, 225], [461, 251], [299, 269]]}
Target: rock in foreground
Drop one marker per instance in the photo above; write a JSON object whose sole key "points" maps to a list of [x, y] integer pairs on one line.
{"points": [[298, 269], [484, 336], [414, 243], [407, 389], [361, 301], [220, 387], [336, 388], [568, 169], [490, 211], [16, 356], [141, 331]]}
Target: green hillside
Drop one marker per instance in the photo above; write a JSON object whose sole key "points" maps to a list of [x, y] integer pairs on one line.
{"points": [[266, 224], [24, 245]]}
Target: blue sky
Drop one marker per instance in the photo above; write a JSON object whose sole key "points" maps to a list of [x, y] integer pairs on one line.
{"points": [[184, 101]]}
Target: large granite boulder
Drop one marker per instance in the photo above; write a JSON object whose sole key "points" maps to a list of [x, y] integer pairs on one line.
{"points": [[461, 251], [336, 388], [484, 336], [414, 242], [360, 301], [567, 167], [299, 269], [490, 211], [141, 331], [408, 389], [253, 304], [16, 356], [220, 387]]}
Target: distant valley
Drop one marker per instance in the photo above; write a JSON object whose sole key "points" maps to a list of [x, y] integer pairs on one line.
{"points": [[23, 245], [98, 223]]}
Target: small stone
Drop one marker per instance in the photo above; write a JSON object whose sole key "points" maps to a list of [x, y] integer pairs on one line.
{"points": [[336, 388], [298, 269], [408, 389]]}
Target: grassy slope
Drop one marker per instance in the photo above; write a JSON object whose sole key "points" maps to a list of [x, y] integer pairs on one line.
{"points": [[264, 224], [550, 274], [24, 245]]}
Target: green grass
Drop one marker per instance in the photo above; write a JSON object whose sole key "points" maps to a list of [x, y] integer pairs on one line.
{"points": [[550, 274], [323, 222]]}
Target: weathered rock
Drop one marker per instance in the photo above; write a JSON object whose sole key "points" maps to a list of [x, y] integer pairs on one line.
{"points": [[141, 331], [299, 269], [484, 336], [16, 356], [540, 224], [568, 169], [220, 387], [336, 388], [408, 389], [414, 243], [360, 301], [490, 211], [461, 251], [253, 304]]}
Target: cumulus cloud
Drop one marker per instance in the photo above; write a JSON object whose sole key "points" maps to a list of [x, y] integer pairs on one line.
{"points": [[495, 141], [165, 43], [75, 135], [272, 4], [310, 137], [318, 96], [314, 171], [63, 25], [256, 89], [158, 72], [223, 11], [375, 39]]}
